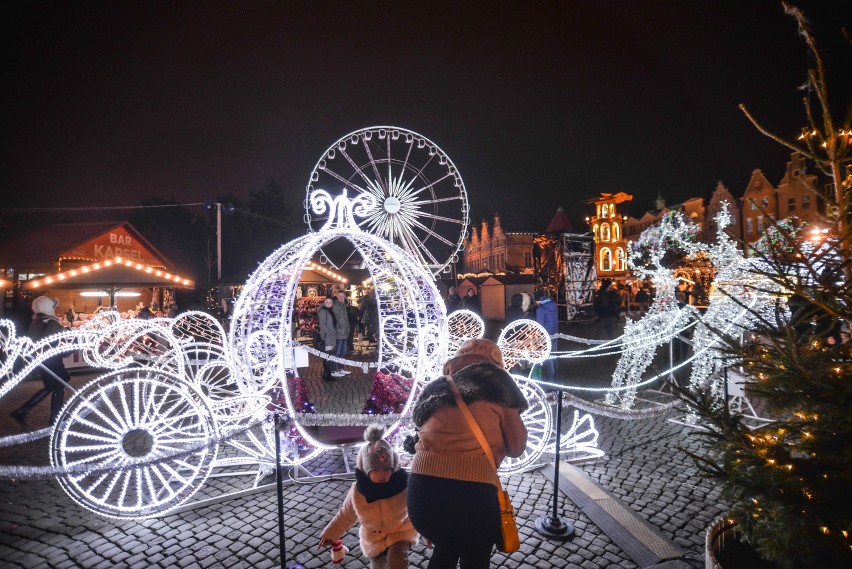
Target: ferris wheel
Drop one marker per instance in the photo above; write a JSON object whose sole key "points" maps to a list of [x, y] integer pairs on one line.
{"points": [[420, 199]]}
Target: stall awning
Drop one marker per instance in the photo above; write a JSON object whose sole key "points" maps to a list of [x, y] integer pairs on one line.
{"points": [[111, 273]]}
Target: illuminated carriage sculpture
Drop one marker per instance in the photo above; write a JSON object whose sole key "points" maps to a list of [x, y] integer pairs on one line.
{"points": [[181, 398]]}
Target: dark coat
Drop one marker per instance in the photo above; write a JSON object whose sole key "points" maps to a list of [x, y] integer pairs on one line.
{"points": [[471, 303], [547, 315], [477, 382]]}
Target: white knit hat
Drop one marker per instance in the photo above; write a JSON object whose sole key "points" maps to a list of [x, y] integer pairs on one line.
{"points": [[377, 453], [45, 305]]}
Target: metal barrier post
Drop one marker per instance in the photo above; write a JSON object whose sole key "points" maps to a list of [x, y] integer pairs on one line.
{"points": [[279, 484], [554, 526]]}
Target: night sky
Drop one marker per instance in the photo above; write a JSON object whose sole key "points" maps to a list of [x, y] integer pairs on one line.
{"points": [[539, 104]]}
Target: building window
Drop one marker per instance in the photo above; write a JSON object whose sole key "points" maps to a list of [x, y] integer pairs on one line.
{"points": [[749, 227], [528, 262], [760, 226], [764, 202], [791, 204], [616, 232], [806, 201], [619, 259], [605, 236], [753, 205], [606, 259], [595, 228]]}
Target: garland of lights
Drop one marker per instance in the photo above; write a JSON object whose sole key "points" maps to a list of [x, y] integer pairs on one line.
{"points": [[365, 366], [579, 340], [12, 440]]}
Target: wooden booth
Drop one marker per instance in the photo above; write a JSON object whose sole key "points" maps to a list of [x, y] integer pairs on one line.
{"points": [[89, 267], [496, 293]]}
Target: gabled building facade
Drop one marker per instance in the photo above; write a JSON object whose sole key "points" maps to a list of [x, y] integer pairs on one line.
{"points": [[491, 249]]}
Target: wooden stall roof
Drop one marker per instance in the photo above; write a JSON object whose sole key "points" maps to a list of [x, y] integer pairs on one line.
{"points": [[81, 241]]}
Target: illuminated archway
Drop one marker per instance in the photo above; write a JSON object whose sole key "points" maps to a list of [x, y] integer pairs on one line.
{"points": [[606, 259]]}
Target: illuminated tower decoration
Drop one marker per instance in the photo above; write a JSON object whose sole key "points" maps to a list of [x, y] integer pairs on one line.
{"points": [[608, 231]]}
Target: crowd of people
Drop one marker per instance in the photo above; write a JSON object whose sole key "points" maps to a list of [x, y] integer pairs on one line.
{"points": [[338, 320]]}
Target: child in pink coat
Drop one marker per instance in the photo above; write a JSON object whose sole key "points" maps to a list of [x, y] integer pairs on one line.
{"points": [[377, 500]]}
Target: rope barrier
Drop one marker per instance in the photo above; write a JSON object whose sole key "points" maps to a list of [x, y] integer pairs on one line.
{"points": [[365, 366]]}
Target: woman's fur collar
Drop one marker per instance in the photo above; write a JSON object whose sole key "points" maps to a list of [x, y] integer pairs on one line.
{"points": [[477, 382]]}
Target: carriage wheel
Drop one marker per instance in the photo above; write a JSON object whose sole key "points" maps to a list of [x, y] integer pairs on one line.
{"points": [[539, 421], [136, 443]]}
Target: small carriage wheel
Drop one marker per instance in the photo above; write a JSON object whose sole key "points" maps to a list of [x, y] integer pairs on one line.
{"points": [[137, 442], [538, 419]]}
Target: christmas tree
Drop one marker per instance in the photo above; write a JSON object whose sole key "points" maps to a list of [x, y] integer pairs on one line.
{"points": [[790, 480]]}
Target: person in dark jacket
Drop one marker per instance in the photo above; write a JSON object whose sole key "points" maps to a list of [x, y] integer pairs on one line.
{"points": [[453, 300], [608, 307], [515, 311], [326, 339], [452, 497], [54, 376], [547, 315], [471, 302], [370, 316], [341, 319]]}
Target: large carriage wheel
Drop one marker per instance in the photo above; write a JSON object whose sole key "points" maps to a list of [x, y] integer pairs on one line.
{"points": [[539, 421], [136, 443]]}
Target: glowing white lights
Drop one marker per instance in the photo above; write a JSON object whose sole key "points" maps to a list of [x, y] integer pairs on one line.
{"points": [[463, 325], [143, 438], [419, 199], [125, 425], [63, 275], [524, 340], [412, 318]]}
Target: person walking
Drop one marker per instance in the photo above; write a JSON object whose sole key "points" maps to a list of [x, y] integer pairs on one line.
{"points": [[642, 299], [326, 339], [547, 315], [452, 497], [54, 376], [377, 501], [341, 316]]}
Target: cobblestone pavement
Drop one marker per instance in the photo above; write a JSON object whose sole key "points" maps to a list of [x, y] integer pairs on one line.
{"points": [[40, 526]]}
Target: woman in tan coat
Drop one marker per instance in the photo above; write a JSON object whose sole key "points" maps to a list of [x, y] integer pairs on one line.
{"points": [[452, 497]]}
